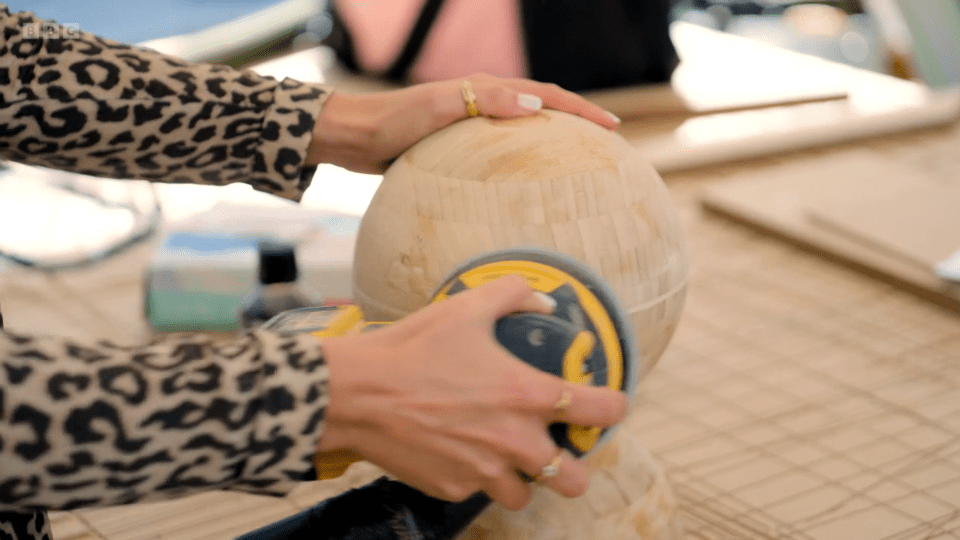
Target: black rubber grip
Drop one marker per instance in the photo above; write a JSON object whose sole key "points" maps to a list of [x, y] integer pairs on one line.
{"points": [[381, 510]]}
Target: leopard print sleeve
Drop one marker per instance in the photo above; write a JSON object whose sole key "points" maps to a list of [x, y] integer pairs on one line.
{"points": [[94, 424], [95, 106], [97, 424]]}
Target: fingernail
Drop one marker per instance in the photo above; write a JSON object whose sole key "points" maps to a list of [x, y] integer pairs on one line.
{"points": [[613, 117], [529, 102], [547, 301]]}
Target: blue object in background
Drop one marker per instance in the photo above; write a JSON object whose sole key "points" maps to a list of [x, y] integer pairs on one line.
{"points": [[196, 281], [133, 21]]}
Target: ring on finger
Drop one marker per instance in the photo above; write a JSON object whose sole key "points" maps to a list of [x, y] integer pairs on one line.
{"points": [[550, 469], [469, 98], [563, 403]]}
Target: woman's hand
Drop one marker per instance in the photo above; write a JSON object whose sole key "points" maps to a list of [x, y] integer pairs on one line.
{"points": [[365, 132], [435, 400]]}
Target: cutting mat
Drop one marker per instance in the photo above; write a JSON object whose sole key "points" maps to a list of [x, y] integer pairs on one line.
{"points": [[801, 401]]}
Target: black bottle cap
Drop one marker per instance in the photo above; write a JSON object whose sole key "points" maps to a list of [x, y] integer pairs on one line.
{"points": [[278, 262]]}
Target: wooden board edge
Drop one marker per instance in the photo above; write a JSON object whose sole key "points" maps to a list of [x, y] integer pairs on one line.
{"points": [[919, 283]]}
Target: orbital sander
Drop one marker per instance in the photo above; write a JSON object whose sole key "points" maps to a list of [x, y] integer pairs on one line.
{"points": [[586, 340]]}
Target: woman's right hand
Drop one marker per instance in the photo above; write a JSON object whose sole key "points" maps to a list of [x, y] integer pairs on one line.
{"points": [[436, 401]]}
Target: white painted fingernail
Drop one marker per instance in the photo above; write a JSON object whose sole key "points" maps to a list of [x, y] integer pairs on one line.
{"points": [[529, 102], [547, 301], [613, 117]]}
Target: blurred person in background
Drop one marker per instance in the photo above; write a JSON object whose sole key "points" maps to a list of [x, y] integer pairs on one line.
{"points": [[576, 44]]}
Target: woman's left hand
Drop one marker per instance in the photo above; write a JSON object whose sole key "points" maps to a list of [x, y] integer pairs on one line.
{"points": [[366, 132]]}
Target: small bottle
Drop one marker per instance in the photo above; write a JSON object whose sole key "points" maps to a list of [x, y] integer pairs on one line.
{"points": [[278, 288]]}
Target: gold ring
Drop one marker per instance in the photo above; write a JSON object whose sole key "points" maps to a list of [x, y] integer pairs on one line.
{"points": [[562, 404], [550, 469], [466, 89]]}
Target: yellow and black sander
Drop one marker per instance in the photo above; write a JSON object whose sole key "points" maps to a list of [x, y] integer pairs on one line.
{"points": [[586, 340]]}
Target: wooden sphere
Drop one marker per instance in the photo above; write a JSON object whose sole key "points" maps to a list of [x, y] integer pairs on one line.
{"points": [[551, 180]]}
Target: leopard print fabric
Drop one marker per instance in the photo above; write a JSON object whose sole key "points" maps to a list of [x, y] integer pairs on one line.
{"points": [[90, 423], [17, 526], [97, 424], [99, 107]]}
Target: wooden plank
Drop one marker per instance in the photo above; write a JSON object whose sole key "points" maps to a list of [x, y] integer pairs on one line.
{"points": [[778, 201], [920, 224]]}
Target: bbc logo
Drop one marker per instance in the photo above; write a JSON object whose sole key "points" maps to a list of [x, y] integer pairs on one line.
{"points": [[50, 30]]}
